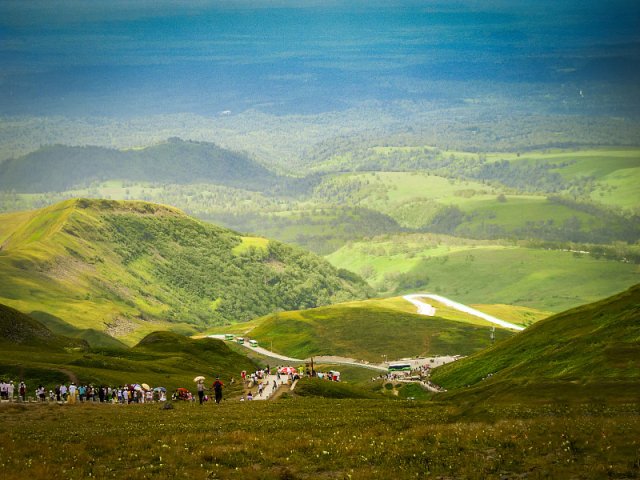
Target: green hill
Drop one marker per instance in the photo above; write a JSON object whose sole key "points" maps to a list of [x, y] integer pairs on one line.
{"points": [[59, 167], [20, 330], [589, 351], [369, 330], [31, 352], [548, 277], [130, 268]]}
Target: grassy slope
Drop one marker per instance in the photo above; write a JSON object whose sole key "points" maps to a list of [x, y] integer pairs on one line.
{"points": [[485, 273], [31, 352], [128, 267], [617, 171], [596, 346], [368, 330], [18, 329]]}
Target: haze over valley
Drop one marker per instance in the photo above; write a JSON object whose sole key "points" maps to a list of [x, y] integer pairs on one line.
{"points": [[346, 189]]}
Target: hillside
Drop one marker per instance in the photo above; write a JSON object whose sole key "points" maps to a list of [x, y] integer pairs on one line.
{"points": [[593, 350], [546, 277], [18, 330], [129, 268], [59, 167], [369, 330], [31, 352]]}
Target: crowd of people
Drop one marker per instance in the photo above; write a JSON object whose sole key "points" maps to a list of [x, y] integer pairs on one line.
{"points": [[254, 384], [72, 393]]}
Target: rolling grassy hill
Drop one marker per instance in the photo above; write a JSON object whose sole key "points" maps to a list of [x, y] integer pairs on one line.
{"points": [[18, 329], [368, 330], [485, 272], [590, 351], [461, 206], [31, 352], [130, 268]]}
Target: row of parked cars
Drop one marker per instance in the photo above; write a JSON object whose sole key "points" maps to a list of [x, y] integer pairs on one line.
{"points": [[240, 340]]}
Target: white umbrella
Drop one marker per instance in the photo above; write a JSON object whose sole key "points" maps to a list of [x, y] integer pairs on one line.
{"points": [[199, 379]]}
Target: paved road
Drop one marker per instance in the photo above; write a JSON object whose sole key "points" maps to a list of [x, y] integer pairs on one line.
{"points": [[426, 309], [263, 351]]}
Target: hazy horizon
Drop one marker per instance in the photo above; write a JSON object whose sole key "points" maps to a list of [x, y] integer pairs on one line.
{"points": [[90, 59]]}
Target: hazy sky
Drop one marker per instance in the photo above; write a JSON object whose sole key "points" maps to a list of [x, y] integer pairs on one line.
{"points": [[122, 57]]}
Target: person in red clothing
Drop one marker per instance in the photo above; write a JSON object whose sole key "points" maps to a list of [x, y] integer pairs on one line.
{"points": [[217, 389]]}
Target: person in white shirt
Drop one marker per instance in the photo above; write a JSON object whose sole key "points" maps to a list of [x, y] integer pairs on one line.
{"points": [[72, 392]]}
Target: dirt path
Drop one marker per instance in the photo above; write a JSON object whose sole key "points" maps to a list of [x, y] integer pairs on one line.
{"points": [[72, 376]]}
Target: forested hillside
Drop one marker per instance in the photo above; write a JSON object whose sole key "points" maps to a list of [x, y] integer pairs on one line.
{"points": [[130, 267], [60, 167]]}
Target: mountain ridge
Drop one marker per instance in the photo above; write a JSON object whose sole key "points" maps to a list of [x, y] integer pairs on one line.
{"points": [[61, 167], [129, 268]]}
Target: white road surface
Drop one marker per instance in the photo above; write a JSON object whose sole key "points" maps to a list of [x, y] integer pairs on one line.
{"points": [[426, 309]]}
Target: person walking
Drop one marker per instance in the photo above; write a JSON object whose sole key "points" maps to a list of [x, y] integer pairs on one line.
{"points": [[22, 392], [73, 390], [200, 391], [217, 389]]}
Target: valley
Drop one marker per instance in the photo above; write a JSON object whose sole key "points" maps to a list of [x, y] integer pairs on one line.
{"points": [[411, 228]]}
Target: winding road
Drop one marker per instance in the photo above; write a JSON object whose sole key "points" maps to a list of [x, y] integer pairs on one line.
{"points": [[423, 309], [429, 310]]}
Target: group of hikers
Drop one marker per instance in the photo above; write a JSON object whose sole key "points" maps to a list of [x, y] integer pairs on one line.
{"points": [[255, 384], [8, 390], [72, 393]]}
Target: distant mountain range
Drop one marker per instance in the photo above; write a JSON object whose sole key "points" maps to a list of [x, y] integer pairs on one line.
{"points": [[129, 268], [59, 167]]}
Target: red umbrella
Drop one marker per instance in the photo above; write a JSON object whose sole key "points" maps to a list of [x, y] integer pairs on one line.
{"points": [[288, 370]]}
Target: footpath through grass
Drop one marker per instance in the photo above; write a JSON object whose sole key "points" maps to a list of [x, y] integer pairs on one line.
{"points": [[309, 438]]}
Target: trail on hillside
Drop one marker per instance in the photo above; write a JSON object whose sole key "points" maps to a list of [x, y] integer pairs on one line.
{"points": [[429, 310]]}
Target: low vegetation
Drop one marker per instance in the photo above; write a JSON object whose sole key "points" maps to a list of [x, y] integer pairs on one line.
{"points": [[309, 438], [542, 276]]}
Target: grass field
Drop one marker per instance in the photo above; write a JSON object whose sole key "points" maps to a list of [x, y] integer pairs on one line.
{"points": [[311, 438], [616, 171], [130, 268], [485, 273], [367, 331], [30, 352], [592, 347]]}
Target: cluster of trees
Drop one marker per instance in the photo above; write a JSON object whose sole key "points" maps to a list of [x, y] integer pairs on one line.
{"points": [[206, 282]]}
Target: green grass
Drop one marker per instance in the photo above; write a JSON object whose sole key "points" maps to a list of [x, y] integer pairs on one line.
{"points": [[305, 438], [367, 331], [31, 352], [616, 171], [129, 268], [595, 346], [476, 272], [248, 243], [315, 387]]}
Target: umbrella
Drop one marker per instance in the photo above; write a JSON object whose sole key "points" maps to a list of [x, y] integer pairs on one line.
{"points": [[137, 388], [146, 387], [159, 389], [288, 370], [199, 378]]}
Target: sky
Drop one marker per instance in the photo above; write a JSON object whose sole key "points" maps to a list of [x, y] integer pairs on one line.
{"points": [[121, 58]]}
